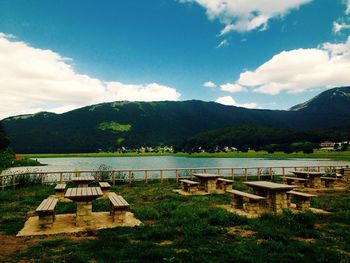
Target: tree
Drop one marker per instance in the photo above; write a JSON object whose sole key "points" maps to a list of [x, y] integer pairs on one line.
{"points": [[4, 140]]}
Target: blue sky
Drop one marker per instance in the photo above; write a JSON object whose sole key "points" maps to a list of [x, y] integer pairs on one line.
{"points": [[67, 54]]}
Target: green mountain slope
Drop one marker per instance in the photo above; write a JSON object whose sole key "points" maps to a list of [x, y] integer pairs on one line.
{"points": [[109, 126]]}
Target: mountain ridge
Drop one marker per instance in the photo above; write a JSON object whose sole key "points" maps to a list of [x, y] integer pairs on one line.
{"points": [[110, 125]]}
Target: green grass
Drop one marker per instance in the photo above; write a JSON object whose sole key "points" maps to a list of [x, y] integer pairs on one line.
{"points": [[185, 229], [250, 154]]}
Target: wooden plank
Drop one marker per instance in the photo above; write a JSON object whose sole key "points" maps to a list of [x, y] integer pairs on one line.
{"points": [[300, 194], [88, 191], [93, 190], [52, 205], [99, 191], [79, 191], [244, 194], [83, 191]]}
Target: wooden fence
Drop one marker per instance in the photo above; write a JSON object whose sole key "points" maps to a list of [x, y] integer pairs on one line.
{"points": [[129, 175]]}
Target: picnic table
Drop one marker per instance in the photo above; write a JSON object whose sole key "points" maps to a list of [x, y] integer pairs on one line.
{"points": [[83, 181], [207, 182], [275, 194], [83, 196], [313, 177]]}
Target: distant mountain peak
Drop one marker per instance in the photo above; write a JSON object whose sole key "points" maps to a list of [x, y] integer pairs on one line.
{"points": [[332, 98]]}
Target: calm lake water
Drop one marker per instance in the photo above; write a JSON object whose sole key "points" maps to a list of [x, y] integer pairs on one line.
{"points": [[154, 162]]}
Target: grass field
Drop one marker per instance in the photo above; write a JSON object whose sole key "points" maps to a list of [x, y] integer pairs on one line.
{"points": [[181, 229], [250, 154]]}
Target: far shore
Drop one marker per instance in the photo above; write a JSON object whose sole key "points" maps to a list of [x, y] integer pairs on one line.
{"points": [[251, 154]]}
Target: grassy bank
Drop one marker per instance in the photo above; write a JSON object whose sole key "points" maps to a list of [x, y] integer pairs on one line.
{"points": [[250, 154], [181, 229]]}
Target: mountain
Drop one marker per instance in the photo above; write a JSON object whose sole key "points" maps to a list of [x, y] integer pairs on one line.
{"points": [[108, 126]]}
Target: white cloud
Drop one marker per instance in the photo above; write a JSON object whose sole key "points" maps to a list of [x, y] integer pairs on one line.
{"points": [[33, 80], [347, 11], [228, 100], [301, 69], [209, 84], [233, 88], [246, 15], [223, 43], [337, 27]]}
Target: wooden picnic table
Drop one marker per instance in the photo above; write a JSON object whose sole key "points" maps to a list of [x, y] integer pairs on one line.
{"points": [[83, 196], [207, 182], [83, 181], [275, 194], [313, 177]]}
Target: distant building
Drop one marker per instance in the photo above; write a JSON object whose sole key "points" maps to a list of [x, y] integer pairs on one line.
{"points": [[327, 144]]}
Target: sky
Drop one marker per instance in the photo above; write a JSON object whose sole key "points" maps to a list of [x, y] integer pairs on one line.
{"points": [[268, 54]]}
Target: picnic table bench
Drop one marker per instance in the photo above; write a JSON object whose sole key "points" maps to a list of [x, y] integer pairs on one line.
{"points": [[46, 212], [119, 206], [59, 189], [224, 184], [328, 181], [105, 186], [302, 199], [189, 186], [292, 180], [253, 204]]}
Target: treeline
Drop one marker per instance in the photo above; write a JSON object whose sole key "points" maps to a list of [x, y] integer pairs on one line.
{"points": [[7, 156], [263, 138]]}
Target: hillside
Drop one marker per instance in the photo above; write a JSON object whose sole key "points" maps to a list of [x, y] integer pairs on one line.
{"points": [[108, 126]]}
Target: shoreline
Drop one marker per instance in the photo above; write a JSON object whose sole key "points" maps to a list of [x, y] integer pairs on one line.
{"points": [[252, 154]]}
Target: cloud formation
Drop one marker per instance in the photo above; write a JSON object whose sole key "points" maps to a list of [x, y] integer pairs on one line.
{"points": [[223, 43], [228, 100], [301, 69], [33, 80], [247, 15], [233, 88], [337, 27], [209, 84]]}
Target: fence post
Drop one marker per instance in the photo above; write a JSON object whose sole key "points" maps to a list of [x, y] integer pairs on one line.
{"points": [[283, 172], [258, 173], [232, 173], [42, 178], [61, 178], [246, 174], [146, 176], [3, 182], [191, 174], [271, 174], [161, 176], [13, 181], [113, 178], [177, 175], [130, 177], [218, 171]]}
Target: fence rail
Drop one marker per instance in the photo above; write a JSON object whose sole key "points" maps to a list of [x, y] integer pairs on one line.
{"points": [[130, 175]]}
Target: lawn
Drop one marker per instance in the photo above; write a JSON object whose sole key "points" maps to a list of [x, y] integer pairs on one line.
{"points": [[181, 229]]}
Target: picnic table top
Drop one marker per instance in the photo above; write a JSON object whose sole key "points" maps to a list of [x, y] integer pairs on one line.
{"points": [[206, 175], [83, 193], [308, 173], [269, 185], [86, 178]]}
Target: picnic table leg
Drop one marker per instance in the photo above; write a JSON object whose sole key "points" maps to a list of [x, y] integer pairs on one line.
{"points": [[210, 186], [84, 213], [302, 204]]}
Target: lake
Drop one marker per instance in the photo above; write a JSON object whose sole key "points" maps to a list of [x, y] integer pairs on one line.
{"points": [[154, 162]]}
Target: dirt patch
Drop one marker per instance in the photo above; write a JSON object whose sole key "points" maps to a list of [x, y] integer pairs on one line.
{"points": [[240, 231], [182, 192], [166, 242], [306, 240], [66, 224], [10, 245]]}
